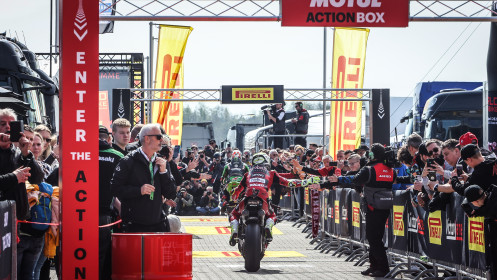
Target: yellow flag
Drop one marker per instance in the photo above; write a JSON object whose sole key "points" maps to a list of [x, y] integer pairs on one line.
{"points": [[349, 57], [171, 48]]}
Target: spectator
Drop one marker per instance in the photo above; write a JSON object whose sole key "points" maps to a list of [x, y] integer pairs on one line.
{"points": [[108, 158], [347, 154], [313, 146], [48, 156], [246, 157], [216, 170], [199, 190], [184, 202], [121, 134], [277, 118], [301, 123], [209, 204], [413, 142], [134, 139], [140, 181]]}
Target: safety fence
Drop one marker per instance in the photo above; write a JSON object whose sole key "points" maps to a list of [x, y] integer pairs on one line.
{"points": [[420, 243], [8, 242]]}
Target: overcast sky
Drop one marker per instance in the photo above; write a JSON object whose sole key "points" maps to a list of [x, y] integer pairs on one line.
{"points": [[223, 53]]}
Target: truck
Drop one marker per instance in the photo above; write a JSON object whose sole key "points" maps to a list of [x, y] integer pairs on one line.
{"points": [[422, 92], [450, 114], [23, 82]]}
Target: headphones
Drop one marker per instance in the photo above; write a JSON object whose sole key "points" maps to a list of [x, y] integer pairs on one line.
{"points": [[371, 155]]}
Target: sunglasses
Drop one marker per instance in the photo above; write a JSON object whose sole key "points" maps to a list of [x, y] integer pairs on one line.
{"points": [[158, 136], [435, 150]]}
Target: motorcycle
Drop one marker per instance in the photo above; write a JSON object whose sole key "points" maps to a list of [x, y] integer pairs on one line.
{"points": [[252, 236], [227, 204]]}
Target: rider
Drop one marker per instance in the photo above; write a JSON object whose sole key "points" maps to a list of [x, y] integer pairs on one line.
{"points": [[232, 175], [258, 178]]}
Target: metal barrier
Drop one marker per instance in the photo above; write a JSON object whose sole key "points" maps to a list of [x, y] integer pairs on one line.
{"points": [[441, 244]]}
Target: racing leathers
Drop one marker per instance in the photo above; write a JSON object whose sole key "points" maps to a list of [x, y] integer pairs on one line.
{"points": [[258, 180]]}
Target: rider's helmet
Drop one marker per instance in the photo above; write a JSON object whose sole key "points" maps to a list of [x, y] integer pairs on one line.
{"points": [[261, 159], [236, 154]]}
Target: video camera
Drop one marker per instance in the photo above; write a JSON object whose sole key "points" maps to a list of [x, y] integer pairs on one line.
{"points": [[391, 158], [271, 107]]}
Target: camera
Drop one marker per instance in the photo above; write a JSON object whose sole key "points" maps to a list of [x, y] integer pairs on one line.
{"points": [[391, 158], [180, 194], [164, 152], [201, 156], [432, 176], [271, 108]]}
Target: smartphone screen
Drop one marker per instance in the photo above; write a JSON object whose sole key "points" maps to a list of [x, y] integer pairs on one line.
{"points": [[176, 151], [16, 127]]}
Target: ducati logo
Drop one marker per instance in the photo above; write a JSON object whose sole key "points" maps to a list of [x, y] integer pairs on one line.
{"points": [[80, 23]]}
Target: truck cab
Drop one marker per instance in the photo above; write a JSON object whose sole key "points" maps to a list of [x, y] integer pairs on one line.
{"points": [[21, 77], [451, 114]]}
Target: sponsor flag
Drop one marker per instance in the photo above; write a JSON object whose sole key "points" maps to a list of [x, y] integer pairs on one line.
{"points": [[173, 123], [171, 48], [349, 57]]}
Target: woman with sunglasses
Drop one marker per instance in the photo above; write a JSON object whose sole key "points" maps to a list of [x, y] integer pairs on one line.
{"points": [[47, 155]]}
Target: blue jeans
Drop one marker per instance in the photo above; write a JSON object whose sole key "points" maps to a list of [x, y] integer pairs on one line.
{"points": [[28, 253], [205, 210], [39, 264]]}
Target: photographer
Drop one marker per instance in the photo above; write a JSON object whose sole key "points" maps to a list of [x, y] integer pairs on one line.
{"points": [[209, 204], [184, 202], [377, 178], [216, 170], [276, 116], [301, 123]]}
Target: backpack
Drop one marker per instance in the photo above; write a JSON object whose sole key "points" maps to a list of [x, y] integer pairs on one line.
{"points": [[41, 212]]}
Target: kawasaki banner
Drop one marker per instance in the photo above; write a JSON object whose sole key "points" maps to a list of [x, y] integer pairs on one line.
{"points": [[349, 58]]}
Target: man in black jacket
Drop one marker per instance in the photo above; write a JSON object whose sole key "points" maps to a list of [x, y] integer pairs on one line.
{"points": [[140, 182], [277, 118], [108, 158], [377, 179], [301, 123]]}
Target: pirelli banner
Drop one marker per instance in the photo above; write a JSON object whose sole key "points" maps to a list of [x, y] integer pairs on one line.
{"points": [[345, 13], [252, 94], [446, 234]]}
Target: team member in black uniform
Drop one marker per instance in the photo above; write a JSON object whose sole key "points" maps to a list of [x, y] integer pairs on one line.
{"points": [[377, 179], [301, 123], [277, 118], [108, 158], [140, 181]]}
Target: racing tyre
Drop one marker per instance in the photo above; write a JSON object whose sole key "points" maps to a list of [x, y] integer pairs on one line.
{"points": [[252, 247]]}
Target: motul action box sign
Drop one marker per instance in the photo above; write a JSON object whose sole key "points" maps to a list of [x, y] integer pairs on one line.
{"points": [[79, 138], [345, 13]]}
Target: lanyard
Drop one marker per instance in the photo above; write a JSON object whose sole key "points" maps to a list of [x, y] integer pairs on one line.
{"points": [[151, 167]]}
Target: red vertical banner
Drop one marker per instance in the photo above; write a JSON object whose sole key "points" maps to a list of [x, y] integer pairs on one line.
{"points": [[79, 138]]}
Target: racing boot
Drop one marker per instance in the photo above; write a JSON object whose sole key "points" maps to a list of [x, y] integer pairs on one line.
{"points": [[234, 233], [269, 229]]}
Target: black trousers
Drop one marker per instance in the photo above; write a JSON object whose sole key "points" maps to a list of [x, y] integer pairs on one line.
{"points": [[276, 195], [278, 141], [491, 246], [375, 229], [104, 250], [302, 141]]}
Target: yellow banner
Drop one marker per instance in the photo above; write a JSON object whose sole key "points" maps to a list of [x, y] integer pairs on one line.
{"points": [[398, 220], [435, 227], [476, 234], [171, 48], [349, 57]]}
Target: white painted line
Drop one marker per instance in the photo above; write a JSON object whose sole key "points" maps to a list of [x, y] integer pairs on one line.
{"points": [[266, 266]]}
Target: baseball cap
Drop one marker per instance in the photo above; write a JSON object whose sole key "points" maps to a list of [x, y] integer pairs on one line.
{"points": [[422, 150], [473, 193], [469, 151], [103, 129], [468, 138]]}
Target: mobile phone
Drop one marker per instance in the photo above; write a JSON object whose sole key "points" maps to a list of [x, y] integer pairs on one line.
{"points": [[432, 176], [16, 128], [229, 145], [430, 162], [459, 169], [333, 163], [346, 163], [176, 151]]}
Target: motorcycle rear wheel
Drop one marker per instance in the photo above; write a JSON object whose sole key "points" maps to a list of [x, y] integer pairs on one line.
{"points": [[252, 247]]}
